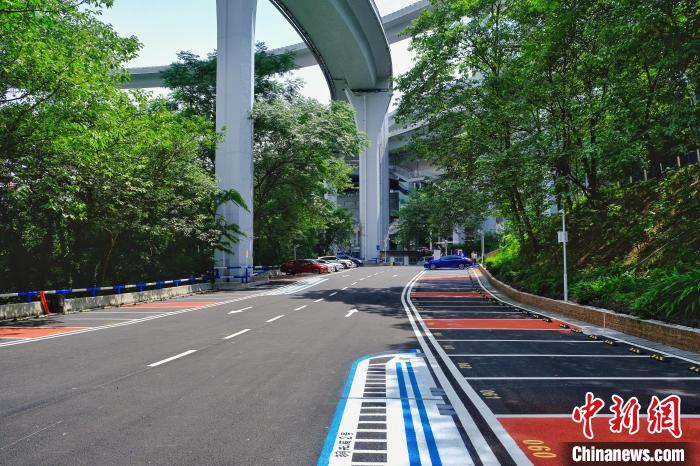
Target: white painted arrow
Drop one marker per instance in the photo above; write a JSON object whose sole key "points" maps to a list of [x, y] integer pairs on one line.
{"points": [[351, 312]]}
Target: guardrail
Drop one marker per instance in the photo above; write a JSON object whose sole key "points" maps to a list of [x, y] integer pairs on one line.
{"points": [[115, 289], [246, 274]]}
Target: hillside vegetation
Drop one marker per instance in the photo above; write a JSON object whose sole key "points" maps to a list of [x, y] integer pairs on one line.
{"points": [[635, 251]]}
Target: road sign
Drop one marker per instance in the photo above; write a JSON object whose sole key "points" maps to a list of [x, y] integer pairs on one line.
{"points": [[563, 236]]}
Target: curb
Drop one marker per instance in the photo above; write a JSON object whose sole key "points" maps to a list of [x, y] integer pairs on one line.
{"points": [[679, 336]]}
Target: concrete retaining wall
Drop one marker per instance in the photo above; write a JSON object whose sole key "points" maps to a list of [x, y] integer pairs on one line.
{"points": [[675, 335], [81, 304], [20, 310]]}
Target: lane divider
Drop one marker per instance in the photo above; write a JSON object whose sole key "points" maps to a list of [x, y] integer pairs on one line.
{"points": [[299, 308], [234, 335], [275, 318], [172, 358], [241, 310]]}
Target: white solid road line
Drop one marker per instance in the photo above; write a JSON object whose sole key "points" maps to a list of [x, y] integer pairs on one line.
{"points": [[299, 308], [537, 341], [351, 312], [237, 333], [333, 294], [241, 310], [318, 300], [697, 379], [100, 318], [172, 358], [554, 355], [275, 318]]}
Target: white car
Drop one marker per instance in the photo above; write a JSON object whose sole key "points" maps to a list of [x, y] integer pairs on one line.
{"points": [[346, 263], [332, 266]]}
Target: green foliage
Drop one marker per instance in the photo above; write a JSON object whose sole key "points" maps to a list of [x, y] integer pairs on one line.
{"points": [[673, 293], [300, 151], [534, 101], [439, 207], [636, 254], [96, 185]]}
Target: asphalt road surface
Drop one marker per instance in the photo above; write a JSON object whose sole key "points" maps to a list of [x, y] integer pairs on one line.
{"points": [[358, 367]]}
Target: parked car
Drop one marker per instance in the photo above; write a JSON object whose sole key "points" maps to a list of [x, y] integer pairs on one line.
{"points": [[448, 262], [354, 260], [303, 266], [332, 266], [346, 263]]}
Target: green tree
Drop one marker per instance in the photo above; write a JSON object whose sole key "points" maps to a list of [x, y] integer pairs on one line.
{"points": [[300, 153], [97, 185]]}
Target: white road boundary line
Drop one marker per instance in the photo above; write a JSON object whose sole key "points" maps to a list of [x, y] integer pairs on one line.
{"points": [[697, 379], [515, 355], [509, 444], [237, 333], [275, 318], [473, 433], [535, 341], [172, 358], [653, 350]]}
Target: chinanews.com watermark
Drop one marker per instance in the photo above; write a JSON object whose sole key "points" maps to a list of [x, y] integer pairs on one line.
{"points": [[662, 415], [629, 453]]}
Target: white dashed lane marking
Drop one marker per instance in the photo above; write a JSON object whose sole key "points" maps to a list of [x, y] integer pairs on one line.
{"points": [[237, 333], [172, 358]]}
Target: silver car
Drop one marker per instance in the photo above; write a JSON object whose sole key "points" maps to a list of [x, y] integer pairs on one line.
{"points": [[332, 266], [346, 263]]}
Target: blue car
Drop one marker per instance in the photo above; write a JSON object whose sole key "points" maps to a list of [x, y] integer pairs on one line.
{"points": [[448, 262]]}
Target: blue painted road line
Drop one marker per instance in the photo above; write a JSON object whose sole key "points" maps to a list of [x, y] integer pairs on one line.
{"points": [[413, 455], [425, 422]]}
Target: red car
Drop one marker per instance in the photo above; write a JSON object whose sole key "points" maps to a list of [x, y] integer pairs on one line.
{"points": [[303, 266]]}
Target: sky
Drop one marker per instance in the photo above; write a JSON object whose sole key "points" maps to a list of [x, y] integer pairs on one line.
{"points": [[166, 27]]}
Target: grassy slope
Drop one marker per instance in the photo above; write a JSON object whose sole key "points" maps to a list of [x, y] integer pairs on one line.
{"points": [[636, 251]]}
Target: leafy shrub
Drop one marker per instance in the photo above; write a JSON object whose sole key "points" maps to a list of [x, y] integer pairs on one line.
{"points": [[671, 293]]}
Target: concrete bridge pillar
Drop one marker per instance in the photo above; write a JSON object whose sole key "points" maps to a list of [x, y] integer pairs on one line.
{"points": [[235, 47], [371, 118]]}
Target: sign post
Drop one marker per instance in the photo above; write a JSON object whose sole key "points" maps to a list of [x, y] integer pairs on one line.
{"points": [[564, 238]]}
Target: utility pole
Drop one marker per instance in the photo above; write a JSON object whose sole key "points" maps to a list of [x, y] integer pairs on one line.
{"points": [[563, 238], [482, 245]]}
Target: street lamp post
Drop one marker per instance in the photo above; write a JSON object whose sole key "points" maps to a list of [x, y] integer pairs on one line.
{"points": [[563, 238], [482, 245]]}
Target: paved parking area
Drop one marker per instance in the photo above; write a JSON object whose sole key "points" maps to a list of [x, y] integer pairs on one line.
{"points": [[531, 371]]}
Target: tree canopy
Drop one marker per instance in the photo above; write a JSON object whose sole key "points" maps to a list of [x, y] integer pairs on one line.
{"points": [[536, 101], [96, 185], [300, 153]]}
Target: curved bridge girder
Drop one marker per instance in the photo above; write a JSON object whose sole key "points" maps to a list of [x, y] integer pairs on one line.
{"points": [[348, 41]]}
